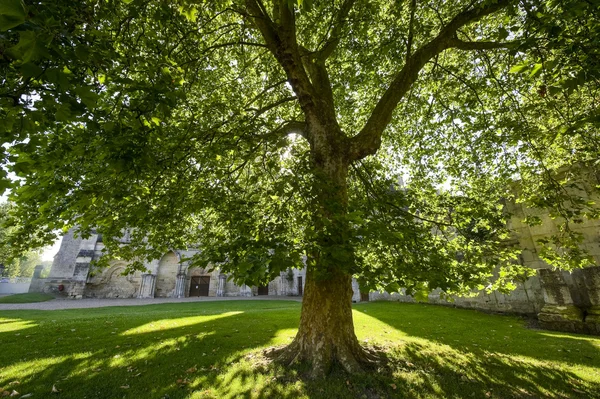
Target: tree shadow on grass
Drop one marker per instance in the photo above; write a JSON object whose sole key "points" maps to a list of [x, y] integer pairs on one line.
{"points": [[463, 353], [158, 352], [212, 350], [479, 332]]}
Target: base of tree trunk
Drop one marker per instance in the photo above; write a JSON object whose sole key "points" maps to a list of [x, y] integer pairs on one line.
{"points": [[354, 359], [326, 332]]}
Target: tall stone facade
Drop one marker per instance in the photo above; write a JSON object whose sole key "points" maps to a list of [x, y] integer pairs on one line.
{"points": [[73, 275]]}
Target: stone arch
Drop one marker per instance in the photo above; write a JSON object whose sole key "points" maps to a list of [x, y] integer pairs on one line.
{"points": [[166, 275], [115, 272], [113, 284]]}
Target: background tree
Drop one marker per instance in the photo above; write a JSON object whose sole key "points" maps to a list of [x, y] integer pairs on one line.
{"points": [[263, 132], [16, 263]]}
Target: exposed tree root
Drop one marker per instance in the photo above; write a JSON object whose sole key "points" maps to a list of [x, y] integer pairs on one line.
{"points": [[354, 359]]}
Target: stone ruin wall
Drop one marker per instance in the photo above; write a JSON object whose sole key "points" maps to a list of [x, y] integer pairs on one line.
{"points": [[566, 301], [73, 275]]}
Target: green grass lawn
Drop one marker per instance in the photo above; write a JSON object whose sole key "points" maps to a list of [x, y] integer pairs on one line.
{"points": [[26, 298], [213, 350]]}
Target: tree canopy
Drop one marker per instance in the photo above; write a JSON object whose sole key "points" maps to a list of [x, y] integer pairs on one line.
{"points": [[264, 132]]}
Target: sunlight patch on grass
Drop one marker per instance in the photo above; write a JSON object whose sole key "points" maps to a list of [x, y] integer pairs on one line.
{"points": [[371, 330], [419, 373], [238, 376], [8, 325], [593, 340], [283, 336], [168, 324], [27, 370]]}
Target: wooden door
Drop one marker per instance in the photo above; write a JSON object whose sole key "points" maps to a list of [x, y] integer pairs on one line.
{"points": [[364, 297], [199, 286], [300, 285], [263, 290]]}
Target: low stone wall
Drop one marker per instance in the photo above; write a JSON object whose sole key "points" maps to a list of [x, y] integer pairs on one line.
{"points": [[14, 288], [64, 287], [526, 299]]}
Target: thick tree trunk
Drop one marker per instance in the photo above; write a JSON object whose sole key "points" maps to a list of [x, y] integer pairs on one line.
{"points": [[326, 332]]}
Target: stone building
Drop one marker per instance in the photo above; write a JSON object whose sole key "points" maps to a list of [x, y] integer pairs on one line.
{"points": [[73, 275]]}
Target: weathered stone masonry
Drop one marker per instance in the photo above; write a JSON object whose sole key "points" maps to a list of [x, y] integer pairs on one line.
{"points": [[73, 275]]}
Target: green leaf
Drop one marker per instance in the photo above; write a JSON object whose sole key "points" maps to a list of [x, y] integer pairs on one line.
{"points": [[517, 68], [4, 185], [190, 14], [88, 97], [502, 34], [536, 69], [63, 113], [26, 49], [30, 70], [12, 13], [421, 295], [22, 167]]}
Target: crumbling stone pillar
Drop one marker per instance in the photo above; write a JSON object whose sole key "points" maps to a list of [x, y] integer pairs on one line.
{"points": [[559, 311], [283, 286], [245, 290], [592, 285], [147, 286], [180, 286], [355, 291], [221, 286], [37, 272]]}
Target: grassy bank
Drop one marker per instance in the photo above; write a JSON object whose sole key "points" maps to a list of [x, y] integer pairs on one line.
{"points": [[26, 298], [212, 350]]}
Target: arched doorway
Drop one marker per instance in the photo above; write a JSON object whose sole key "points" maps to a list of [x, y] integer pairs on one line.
{"points": [[166, 276], [118, 285]]}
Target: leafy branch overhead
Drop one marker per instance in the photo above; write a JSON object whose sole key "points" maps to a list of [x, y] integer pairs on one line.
{"points": [[367, 73]]}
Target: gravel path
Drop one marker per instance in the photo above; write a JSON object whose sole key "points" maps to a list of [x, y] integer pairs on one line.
{"points": [[59, 304]]}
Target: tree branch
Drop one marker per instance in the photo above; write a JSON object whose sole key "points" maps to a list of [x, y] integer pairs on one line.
{"points": [[204, 51], [281, 41], [288, 128], [262, 110], [462, 45], [369, 187], [264, 91], [334, 39], [411, 26], [368, 140]]}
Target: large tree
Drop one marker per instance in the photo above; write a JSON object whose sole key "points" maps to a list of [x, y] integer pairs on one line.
{"points": [[266, 132]]}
